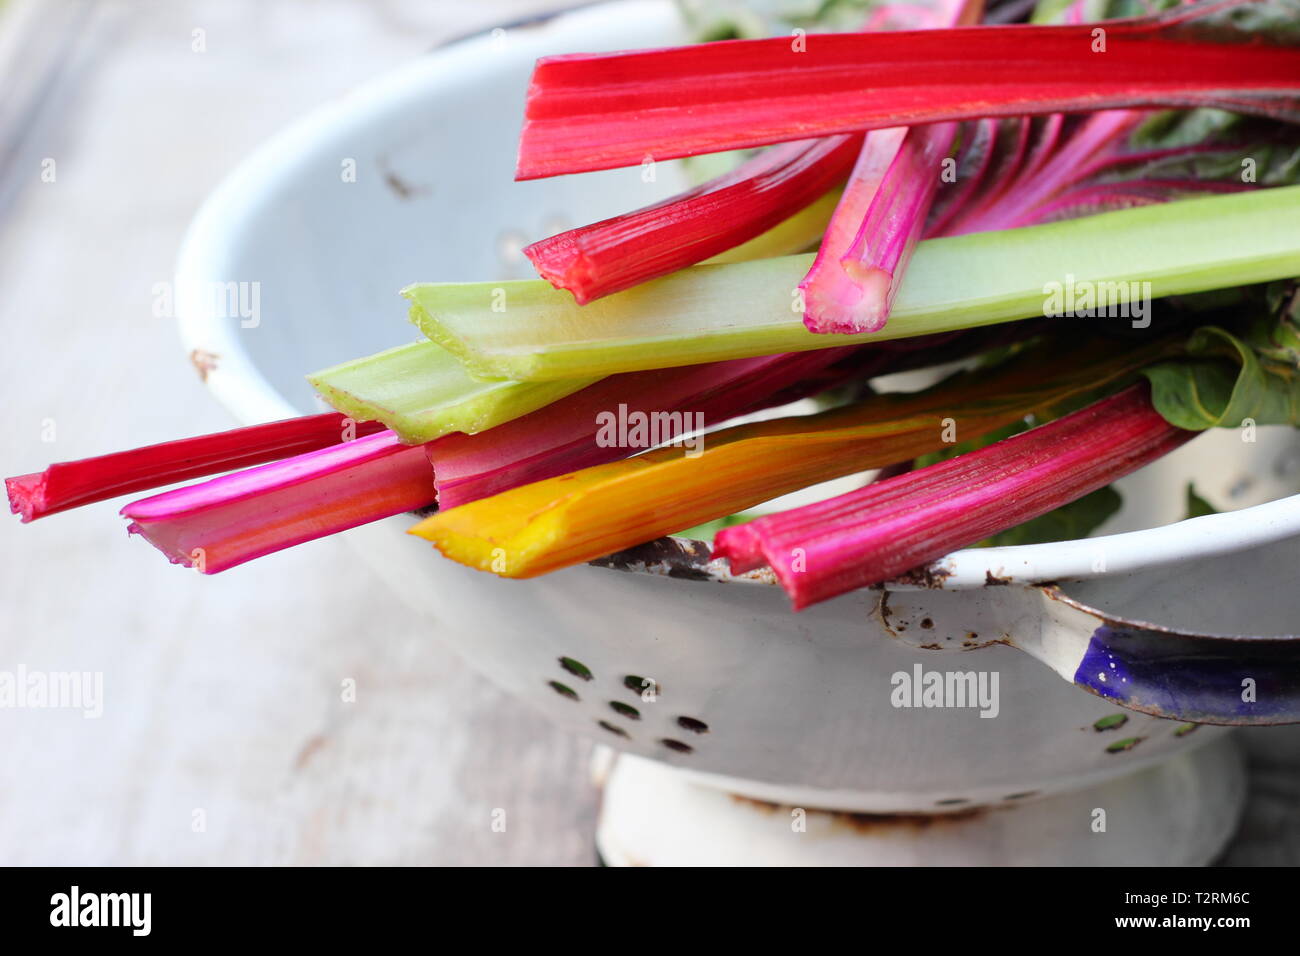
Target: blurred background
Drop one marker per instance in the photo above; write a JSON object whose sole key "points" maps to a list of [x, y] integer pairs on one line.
{"points": [[224, 738]]}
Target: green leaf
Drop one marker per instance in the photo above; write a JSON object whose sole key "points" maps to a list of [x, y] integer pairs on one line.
{"points": [[727, 19], [1225, 380], [1224, 142], [1198, 507]]}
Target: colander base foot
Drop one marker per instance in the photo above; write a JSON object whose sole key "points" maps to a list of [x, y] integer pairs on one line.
{"points": [[1180, 812]]}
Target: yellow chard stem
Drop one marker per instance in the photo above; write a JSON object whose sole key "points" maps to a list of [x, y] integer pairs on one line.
{"points": [[547, 525]]}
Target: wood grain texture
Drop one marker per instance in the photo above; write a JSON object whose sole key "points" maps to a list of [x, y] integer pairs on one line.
{"points": [[223, 695]]}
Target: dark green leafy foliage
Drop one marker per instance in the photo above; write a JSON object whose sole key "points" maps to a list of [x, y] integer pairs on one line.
{"points": [[1231, 378]]}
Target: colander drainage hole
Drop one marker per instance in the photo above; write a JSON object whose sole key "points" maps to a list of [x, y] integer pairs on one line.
{"points": [[616, 731], [563, 690], [1120, 746], [693, 725], [576, 668], [625, 710], [677, 745], [637, 684]]}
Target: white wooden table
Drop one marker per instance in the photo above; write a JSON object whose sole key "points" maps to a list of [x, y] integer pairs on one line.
{"points": [[221, 694], [224, 739]]}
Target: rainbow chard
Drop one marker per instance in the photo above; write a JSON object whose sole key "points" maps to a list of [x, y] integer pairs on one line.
{"points": [[550, 524], [1217, 379], [224, 522], [706, 222], [535, 369], [875, 533], [973, 171], [599, 111], [1065, 148], [230, 520], [568, 435], [71, 484]]}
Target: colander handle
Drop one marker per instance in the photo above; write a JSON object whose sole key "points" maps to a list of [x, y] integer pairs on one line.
{"points": [[1211, 680]]}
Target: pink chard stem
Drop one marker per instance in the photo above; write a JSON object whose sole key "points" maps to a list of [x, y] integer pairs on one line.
{"points": [[71, 484], [878, 532], [224, 522], [830, 295], [973, 164], [602, 111], [1097, 136], [892, 227]]}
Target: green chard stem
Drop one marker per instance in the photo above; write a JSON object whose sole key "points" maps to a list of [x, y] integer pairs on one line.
{"points": [[528, 331], [422, 392]]}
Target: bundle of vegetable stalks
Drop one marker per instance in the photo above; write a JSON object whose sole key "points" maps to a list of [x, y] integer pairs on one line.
{"points": [[1086, 226]]}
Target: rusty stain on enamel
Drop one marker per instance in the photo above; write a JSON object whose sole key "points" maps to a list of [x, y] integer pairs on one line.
{"points": [[203, 362]]}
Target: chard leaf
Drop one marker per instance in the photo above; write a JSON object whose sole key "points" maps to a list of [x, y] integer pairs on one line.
{"points": [[1279, 19], [1226, 380], [1280, 341], [1174, 128], [1213, 145]]}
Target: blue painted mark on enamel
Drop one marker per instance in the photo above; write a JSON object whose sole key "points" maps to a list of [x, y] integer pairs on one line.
{"points": [[1194, 678]]}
